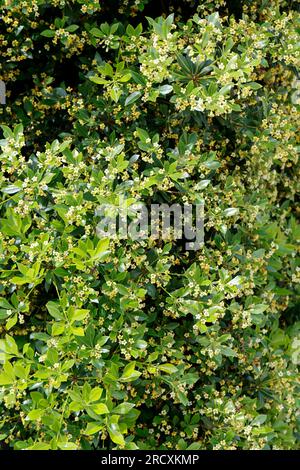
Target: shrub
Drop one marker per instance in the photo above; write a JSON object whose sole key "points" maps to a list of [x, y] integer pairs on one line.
{"points": [[120, 343]]}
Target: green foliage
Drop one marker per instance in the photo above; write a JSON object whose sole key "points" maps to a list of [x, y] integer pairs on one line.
{"points": [[113, 343]]}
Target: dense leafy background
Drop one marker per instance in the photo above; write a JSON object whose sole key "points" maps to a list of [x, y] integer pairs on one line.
{"points": [[120, 344]]}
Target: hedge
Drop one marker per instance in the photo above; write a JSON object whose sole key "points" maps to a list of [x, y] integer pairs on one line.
{"points": [[119, 343]]}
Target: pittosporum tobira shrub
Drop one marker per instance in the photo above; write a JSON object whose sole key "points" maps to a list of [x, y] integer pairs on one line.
{"points": [[114, 336]]}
